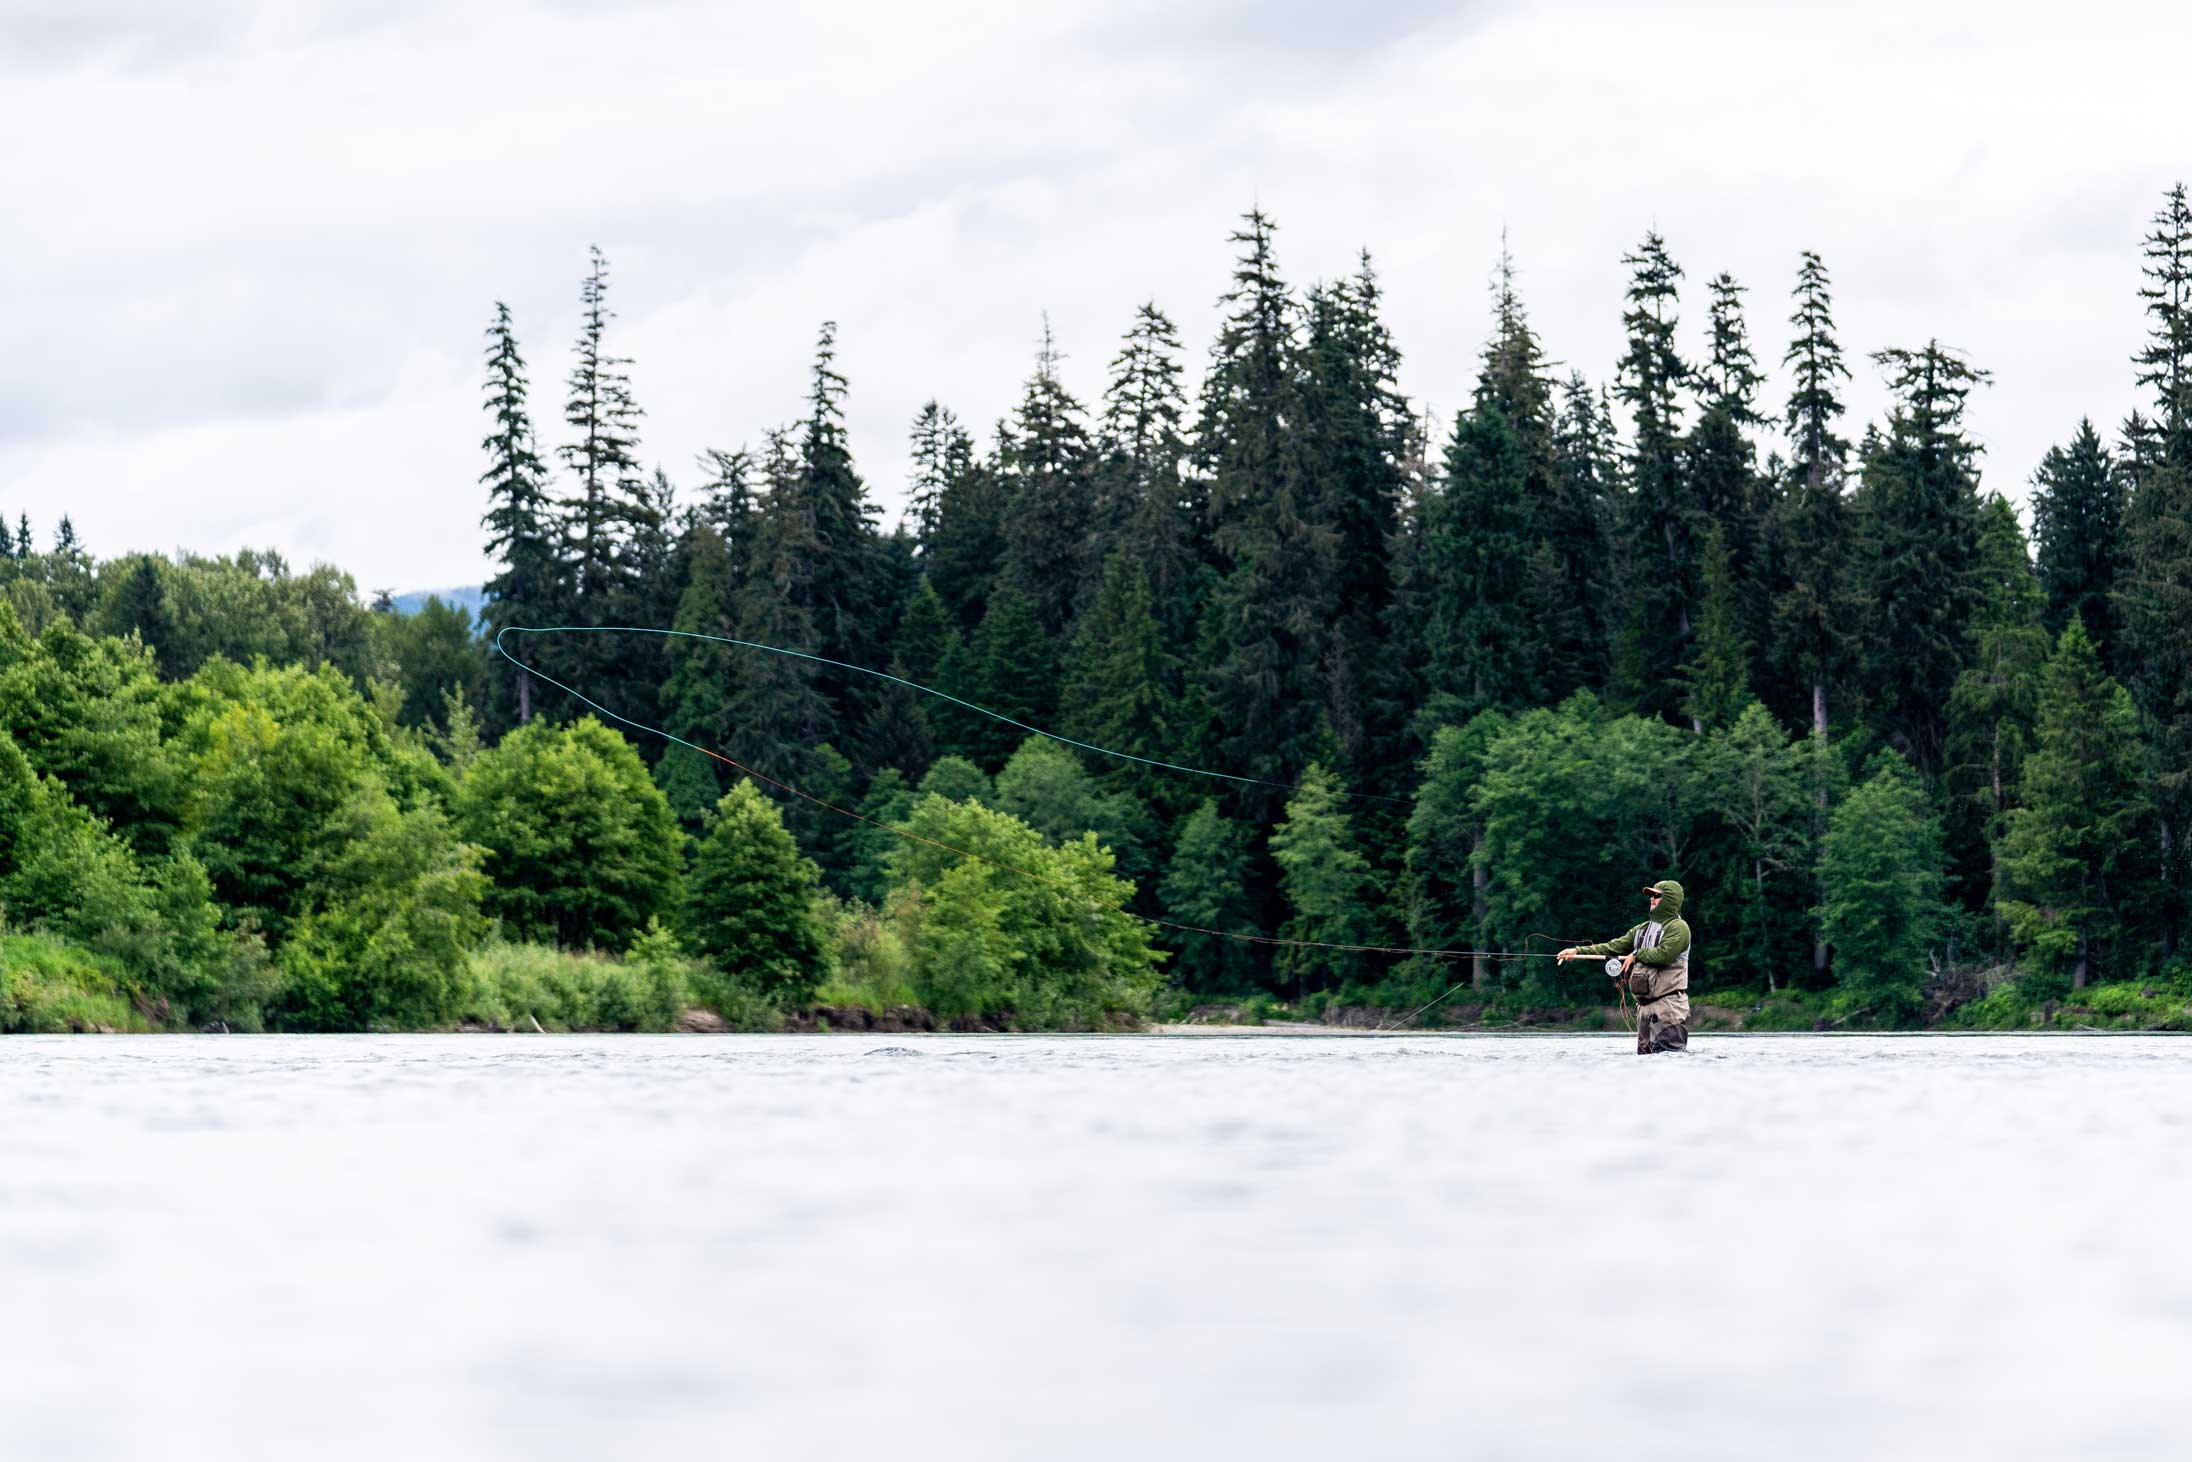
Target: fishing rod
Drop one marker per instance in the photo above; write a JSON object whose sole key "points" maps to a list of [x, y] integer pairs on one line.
{"points": [[679, 634], [1266, 940]]}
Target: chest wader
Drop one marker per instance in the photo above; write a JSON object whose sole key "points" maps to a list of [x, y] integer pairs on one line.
{"points": [[1663, 998]]}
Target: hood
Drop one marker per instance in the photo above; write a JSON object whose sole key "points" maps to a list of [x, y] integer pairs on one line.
{"points": [[1670, 900]]}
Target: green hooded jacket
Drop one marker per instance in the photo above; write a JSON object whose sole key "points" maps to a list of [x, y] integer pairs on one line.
{"points": [[1669, 949]]}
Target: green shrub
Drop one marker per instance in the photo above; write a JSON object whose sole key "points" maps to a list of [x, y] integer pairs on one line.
{"points": [[511, 986], [1021, 930], [873, 968], [49, 986]]}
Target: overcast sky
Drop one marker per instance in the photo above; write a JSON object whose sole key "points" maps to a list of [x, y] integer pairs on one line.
{"points": [[250, 249]]}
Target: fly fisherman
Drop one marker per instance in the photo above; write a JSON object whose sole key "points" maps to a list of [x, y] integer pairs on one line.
{"points": [[1654, 966]]}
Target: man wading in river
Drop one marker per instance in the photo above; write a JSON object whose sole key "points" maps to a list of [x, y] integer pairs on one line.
{"points": [[1654, 967]]}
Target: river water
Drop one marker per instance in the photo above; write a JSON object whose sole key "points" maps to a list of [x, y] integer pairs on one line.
{"points": [[1146, 1247]]}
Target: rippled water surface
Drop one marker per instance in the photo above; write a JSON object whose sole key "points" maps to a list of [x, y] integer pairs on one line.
{"points": [[825, 1247]]}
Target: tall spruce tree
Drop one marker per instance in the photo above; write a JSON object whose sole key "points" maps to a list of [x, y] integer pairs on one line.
{"points": [[838, 574], [1207, 885], [1575, 524], [1482, 648], [1814, 357], [1146, 504], [1721, 458], [1918, 529], [778, 706], [520, 519], [1354, 427], [1813, 611], [1009, 666], [964, 553], [1991, 709], [1662, 521], [942, 454], [1118, 689], [1266, 631], [1050, 478], [2154, 577], [603, 455], [2165, 361], [702, 685], [726, 502], [1716, 678], [2077, 528], [2081, 826]]}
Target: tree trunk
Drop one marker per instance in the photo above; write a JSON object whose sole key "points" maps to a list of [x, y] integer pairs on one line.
{"points": [[2077, 974], [1819, 801], [1758, 887], [2169, 888], [1480, 882], [525, 697]]}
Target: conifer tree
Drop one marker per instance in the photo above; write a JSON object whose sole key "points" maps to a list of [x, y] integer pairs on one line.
{"points": [[942, 455], [1881, 866], [1144, 503], [1118, 685], [2077, 527], [2165, 361], [924, 637], [1206, 885], [520, 520], [1010, 667], [23, 545], [1481, 651], [1574, 524], [727, 501], [778, 708], [7, 540], [964, 555], [1991, 710], [1918, 512], [1716, 680], [1326, 883], [1244, 444], [1266, 629], [1810, 624], [140, 604], [840, 582], [887, 801], [1353, 433], [1487, 641], [1662, 520], [697, 697], [1814, 356], [603, 456], [1048, 474], [1721, 457], [2081, 825], [753, 903], [2154, 575]]}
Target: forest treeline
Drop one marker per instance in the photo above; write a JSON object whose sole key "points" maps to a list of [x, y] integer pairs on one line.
{"points": [[1470, 686]]}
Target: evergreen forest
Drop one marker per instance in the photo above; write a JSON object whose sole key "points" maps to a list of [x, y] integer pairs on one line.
{"points": [[1919, 758]]}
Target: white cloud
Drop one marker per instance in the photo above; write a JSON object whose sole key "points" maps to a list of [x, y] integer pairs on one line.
{"points": [[253, 247]]}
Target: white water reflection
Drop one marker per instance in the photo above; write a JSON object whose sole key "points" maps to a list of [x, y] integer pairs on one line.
{"points": [[896, 1246]]}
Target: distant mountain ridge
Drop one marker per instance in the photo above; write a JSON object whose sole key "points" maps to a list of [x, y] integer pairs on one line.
{"points": [[471, 596]]}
